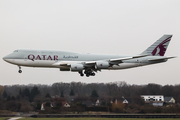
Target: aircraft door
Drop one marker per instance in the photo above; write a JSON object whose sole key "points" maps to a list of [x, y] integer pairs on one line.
{"points": [[25, 58], [138, 62]]}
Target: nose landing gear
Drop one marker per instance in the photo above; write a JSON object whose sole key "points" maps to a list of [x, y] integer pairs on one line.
{"points": [[20, 71]]}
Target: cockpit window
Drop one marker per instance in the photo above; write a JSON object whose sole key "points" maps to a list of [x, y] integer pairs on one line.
{"points": [[16, 51]]}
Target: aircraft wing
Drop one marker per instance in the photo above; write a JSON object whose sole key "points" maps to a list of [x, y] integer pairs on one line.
{"points": [[119, 60], [93, 63]]}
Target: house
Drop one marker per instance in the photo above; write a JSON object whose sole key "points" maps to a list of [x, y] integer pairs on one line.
{"points": [[123, 100], [129, 100], [52, 104], [148, 98], [97, 103], [65, 104], [169, 100], [155, 100], [42, 106]]}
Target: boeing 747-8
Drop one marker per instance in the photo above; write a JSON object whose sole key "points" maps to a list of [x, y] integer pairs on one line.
{"points": [[88, 64]]}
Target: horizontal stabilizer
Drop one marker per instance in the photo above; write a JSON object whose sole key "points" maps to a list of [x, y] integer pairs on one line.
{"points": [[164, 58]]}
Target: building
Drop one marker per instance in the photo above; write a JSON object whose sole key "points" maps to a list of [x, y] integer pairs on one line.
{"points": [[169, 100], [148, 98], [97, 103], [123, 100], [65, 104], [155, 100], [42, 106]]}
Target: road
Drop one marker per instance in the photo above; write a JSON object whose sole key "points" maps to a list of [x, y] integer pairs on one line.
{"points": [[14, 118]]}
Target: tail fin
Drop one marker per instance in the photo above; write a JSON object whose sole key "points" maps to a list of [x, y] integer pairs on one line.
{"points": [[159, 47]]}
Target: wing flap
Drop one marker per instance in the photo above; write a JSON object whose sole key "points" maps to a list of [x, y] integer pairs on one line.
{"points": [[93, 63], [119, 60], [63, 63]]}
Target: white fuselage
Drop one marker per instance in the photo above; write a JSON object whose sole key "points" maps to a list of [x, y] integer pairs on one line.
{"points": [[89, 63], [45, 58]]}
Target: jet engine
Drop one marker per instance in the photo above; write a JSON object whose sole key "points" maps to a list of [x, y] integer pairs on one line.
{"points": [[77, 67], [102, 65]]}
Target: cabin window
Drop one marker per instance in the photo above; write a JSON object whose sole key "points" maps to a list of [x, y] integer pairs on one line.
{"points": [[16, 51]]}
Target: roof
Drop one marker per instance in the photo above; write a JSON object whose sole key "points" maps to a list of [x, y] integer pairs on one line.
{"points": [[125, 100], [63, 103], [129, 100], [167, 99], [151, 95]]}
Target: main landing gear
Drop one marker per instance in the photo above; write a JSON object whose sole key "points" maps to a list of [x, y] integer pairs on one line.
{"points": [[81, 73], [87, 73], [20, 71]]}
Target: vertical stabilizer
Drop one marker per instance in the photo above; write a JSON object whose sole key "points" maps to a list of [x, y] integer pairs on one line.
{"points": [[159, 47]]}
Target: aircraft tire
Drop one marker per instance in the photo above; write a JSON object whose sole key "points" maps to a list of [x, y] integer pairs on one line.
{"points": [[20, 71]]}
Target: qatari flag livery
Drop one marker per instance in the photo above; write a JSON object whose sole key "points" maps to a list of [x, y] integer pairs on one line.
{"points": [[159, 47]]}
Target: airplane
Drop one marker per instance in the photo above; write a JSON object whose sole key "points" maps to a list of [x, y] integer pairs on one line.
{"points": [[88, 64]]}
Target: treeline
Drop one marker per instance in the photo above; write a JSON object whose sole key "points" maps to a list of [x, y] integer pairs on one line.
{"points": [[24, 98], [113, 89]]}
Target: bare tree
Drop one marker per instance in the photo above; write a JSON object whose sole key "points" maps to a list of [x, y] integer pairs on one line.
{"points": [[112, 88], [59, 88]]}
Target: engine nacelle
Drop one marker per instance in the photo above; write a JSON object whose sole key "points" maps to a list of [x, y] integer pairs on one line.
{"points": [[77, 67], [102, 65]]}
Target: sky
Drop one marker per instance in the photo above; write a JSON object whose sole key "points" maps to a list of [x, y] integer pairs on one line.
{"points": [[124, 27]]}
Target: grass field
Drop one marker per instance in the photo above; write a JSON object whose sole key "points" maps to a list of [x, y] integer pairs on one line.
{"points": [[99, 119], [3, 118]]}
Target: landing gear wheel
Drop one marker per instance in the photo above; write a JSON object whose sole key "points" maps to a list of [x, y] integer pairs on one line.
{"points": [[81, 73], [93, 74], [87, 75], [20, 71], [89, 72]]}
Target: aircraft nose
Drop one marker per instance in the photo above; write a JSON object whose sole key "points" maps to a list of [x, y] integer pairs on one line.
{"points": [[5, 58]]}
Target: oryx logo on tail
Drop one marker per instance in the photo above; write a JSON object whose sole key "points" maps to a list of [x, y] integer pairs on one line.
{"points": [[161, 48]]}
